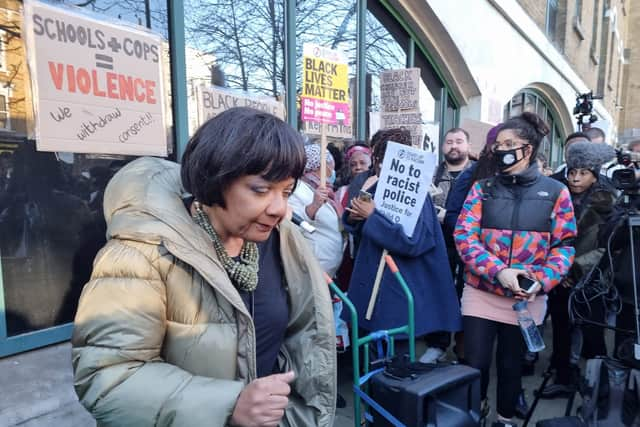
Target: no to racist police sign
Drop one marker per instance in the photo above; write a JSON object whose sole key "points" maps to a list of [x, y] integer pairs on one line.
{"points": [[325, 86], [97, 86], [403, 185]]}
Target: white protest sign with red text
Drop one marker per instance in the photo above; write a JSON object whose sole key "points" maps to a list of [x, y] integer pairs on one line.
{"points": [[97, 86]]}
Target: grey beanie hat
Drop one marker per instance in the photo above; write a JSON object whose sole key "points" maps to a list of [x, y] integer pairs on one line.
{"points": [[589, 155]]}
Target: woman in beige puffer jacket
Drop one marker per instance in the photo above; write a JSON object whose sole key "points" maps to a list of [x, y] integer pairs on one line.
{"points": [[162, 336]]}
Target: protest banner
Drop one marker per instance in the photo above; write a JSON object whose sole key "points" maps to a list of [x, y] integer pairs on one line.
{"points": [[335, 131], [412, 121], [400, 102], [97, 86], [404, 183], [213, 100], [325, 93], [325, 86], [400, 89]]}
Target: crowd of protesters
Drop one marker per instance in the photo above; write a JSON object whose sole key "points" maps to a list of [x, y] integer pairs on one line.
{"points": [[207, 305]]}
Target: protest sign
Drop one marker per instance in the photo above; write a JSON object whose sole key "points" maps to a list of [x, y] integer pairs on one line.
{"points": [[325, 86], [334, 131], [403, 184], [97, 86], [400, 89], [213, 100], [412, 121]]}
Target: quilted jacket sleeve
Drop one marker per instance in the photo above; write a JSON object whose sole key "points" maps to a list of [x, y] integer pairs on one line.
{"points": [[561, 250], [473, 252], [119, 374]]}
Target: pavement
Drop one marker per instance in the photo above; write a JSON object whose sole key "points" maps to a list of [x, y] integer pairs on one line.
{"points": [[36, 390]]}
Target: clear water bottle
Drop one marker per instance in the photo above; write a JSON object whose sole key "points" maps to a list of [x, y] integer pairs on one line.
{"points": [[528, 327]]}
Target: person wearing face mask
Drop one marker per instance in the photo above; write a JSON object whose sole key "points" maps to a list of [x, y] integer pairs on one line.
{"points": [[517, 223], [315, 202], [593, 202]]}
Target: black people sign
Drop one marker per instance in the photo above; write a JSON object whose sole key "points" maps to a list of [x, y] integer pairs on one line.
{"points": [[213, 100], [403, 184], [97, 86], [325, 86]]}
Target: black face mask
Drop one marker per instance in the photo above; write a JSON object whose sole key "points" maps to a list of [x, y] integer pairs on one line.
{"points": [[504, 159]]}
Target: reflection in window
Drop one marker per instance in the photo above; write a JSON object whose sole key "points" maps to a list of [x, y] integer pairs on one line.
{"points": [[154, 16], [51, 216], [242, 43], [330, 23], [383, 52]]}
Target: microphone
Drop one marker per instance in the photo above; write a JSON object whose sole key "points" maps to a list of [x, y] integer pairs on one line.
{"points": [[300, 222]]}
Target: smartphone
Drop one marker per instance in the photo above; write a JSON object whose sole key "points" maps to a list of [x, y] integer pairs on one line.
{"points": [[526, 284], [364, 195]]}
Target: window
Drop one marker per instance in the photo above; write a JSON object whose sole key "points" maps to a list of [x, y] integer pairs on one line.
{"points": [[4, 112], [330, 23], [53, 223], [4, 41], [594, 31], [551, 21]]}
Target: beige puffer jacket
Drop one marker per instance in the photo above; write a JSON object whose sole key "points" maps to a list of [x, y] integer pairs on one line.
{"points": [[162, 338]]}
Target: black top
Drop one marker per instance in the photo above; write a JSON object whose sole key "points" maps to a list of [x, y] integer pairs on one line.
{"points": [[269, 305], [454, 174]]}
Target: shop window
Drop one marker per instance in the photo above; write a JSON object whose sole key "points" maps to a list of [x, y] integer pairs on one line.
{"points": [[234, 45], [331, 24], [383, 52], [51, 214]]}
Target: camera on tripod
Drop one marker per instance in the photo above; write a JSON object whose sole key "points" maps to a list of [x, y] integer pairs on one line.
{"points": [[627, 179], [584, 109]]}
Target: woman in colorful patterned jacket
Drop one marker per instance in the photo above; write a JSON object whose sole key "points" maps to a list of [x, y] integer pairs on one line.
{"points": [[518, 223]]}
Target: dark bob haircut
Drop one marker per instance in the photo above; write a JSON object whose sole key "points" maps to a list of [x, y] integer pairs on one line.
{"points": [[530, 127], [239, 142]]}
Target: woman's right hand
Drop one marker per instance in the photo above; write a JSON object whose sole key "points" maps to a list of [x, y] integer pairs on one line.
{"points": [[508, 278], [320, 196], [263, 401]]}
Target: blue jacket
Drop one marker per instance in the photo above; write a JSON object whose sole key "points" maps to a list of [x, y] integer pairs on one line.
{"points": [[422, 260], [457, 196]]}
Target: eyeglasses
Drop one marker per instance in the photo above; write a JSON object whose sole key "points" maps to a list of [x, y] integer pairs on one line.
{"points": [[508, 144]]}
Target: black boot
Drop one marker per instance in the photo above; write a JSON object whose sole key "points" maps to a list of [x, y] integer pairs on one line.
{"points": [[522, 407]]}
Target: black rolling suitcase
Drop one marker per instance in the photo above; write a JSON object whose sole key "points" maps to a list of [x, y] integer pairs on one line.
{"points": [[421, 395]]}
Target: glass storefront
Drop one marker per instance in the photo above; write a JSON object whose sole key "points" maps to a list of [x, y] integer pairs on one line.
{"points": [[51, 220]]}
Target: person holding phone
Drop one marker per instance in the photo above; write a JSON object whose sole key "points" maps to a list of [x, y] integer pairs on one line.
{"points": [[515, 225], [422, 259]]}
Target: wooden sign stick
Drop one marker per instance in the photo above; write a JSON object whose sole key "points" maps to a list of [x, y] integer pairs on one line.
{"points": [[376, 285], [323, 155]]}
